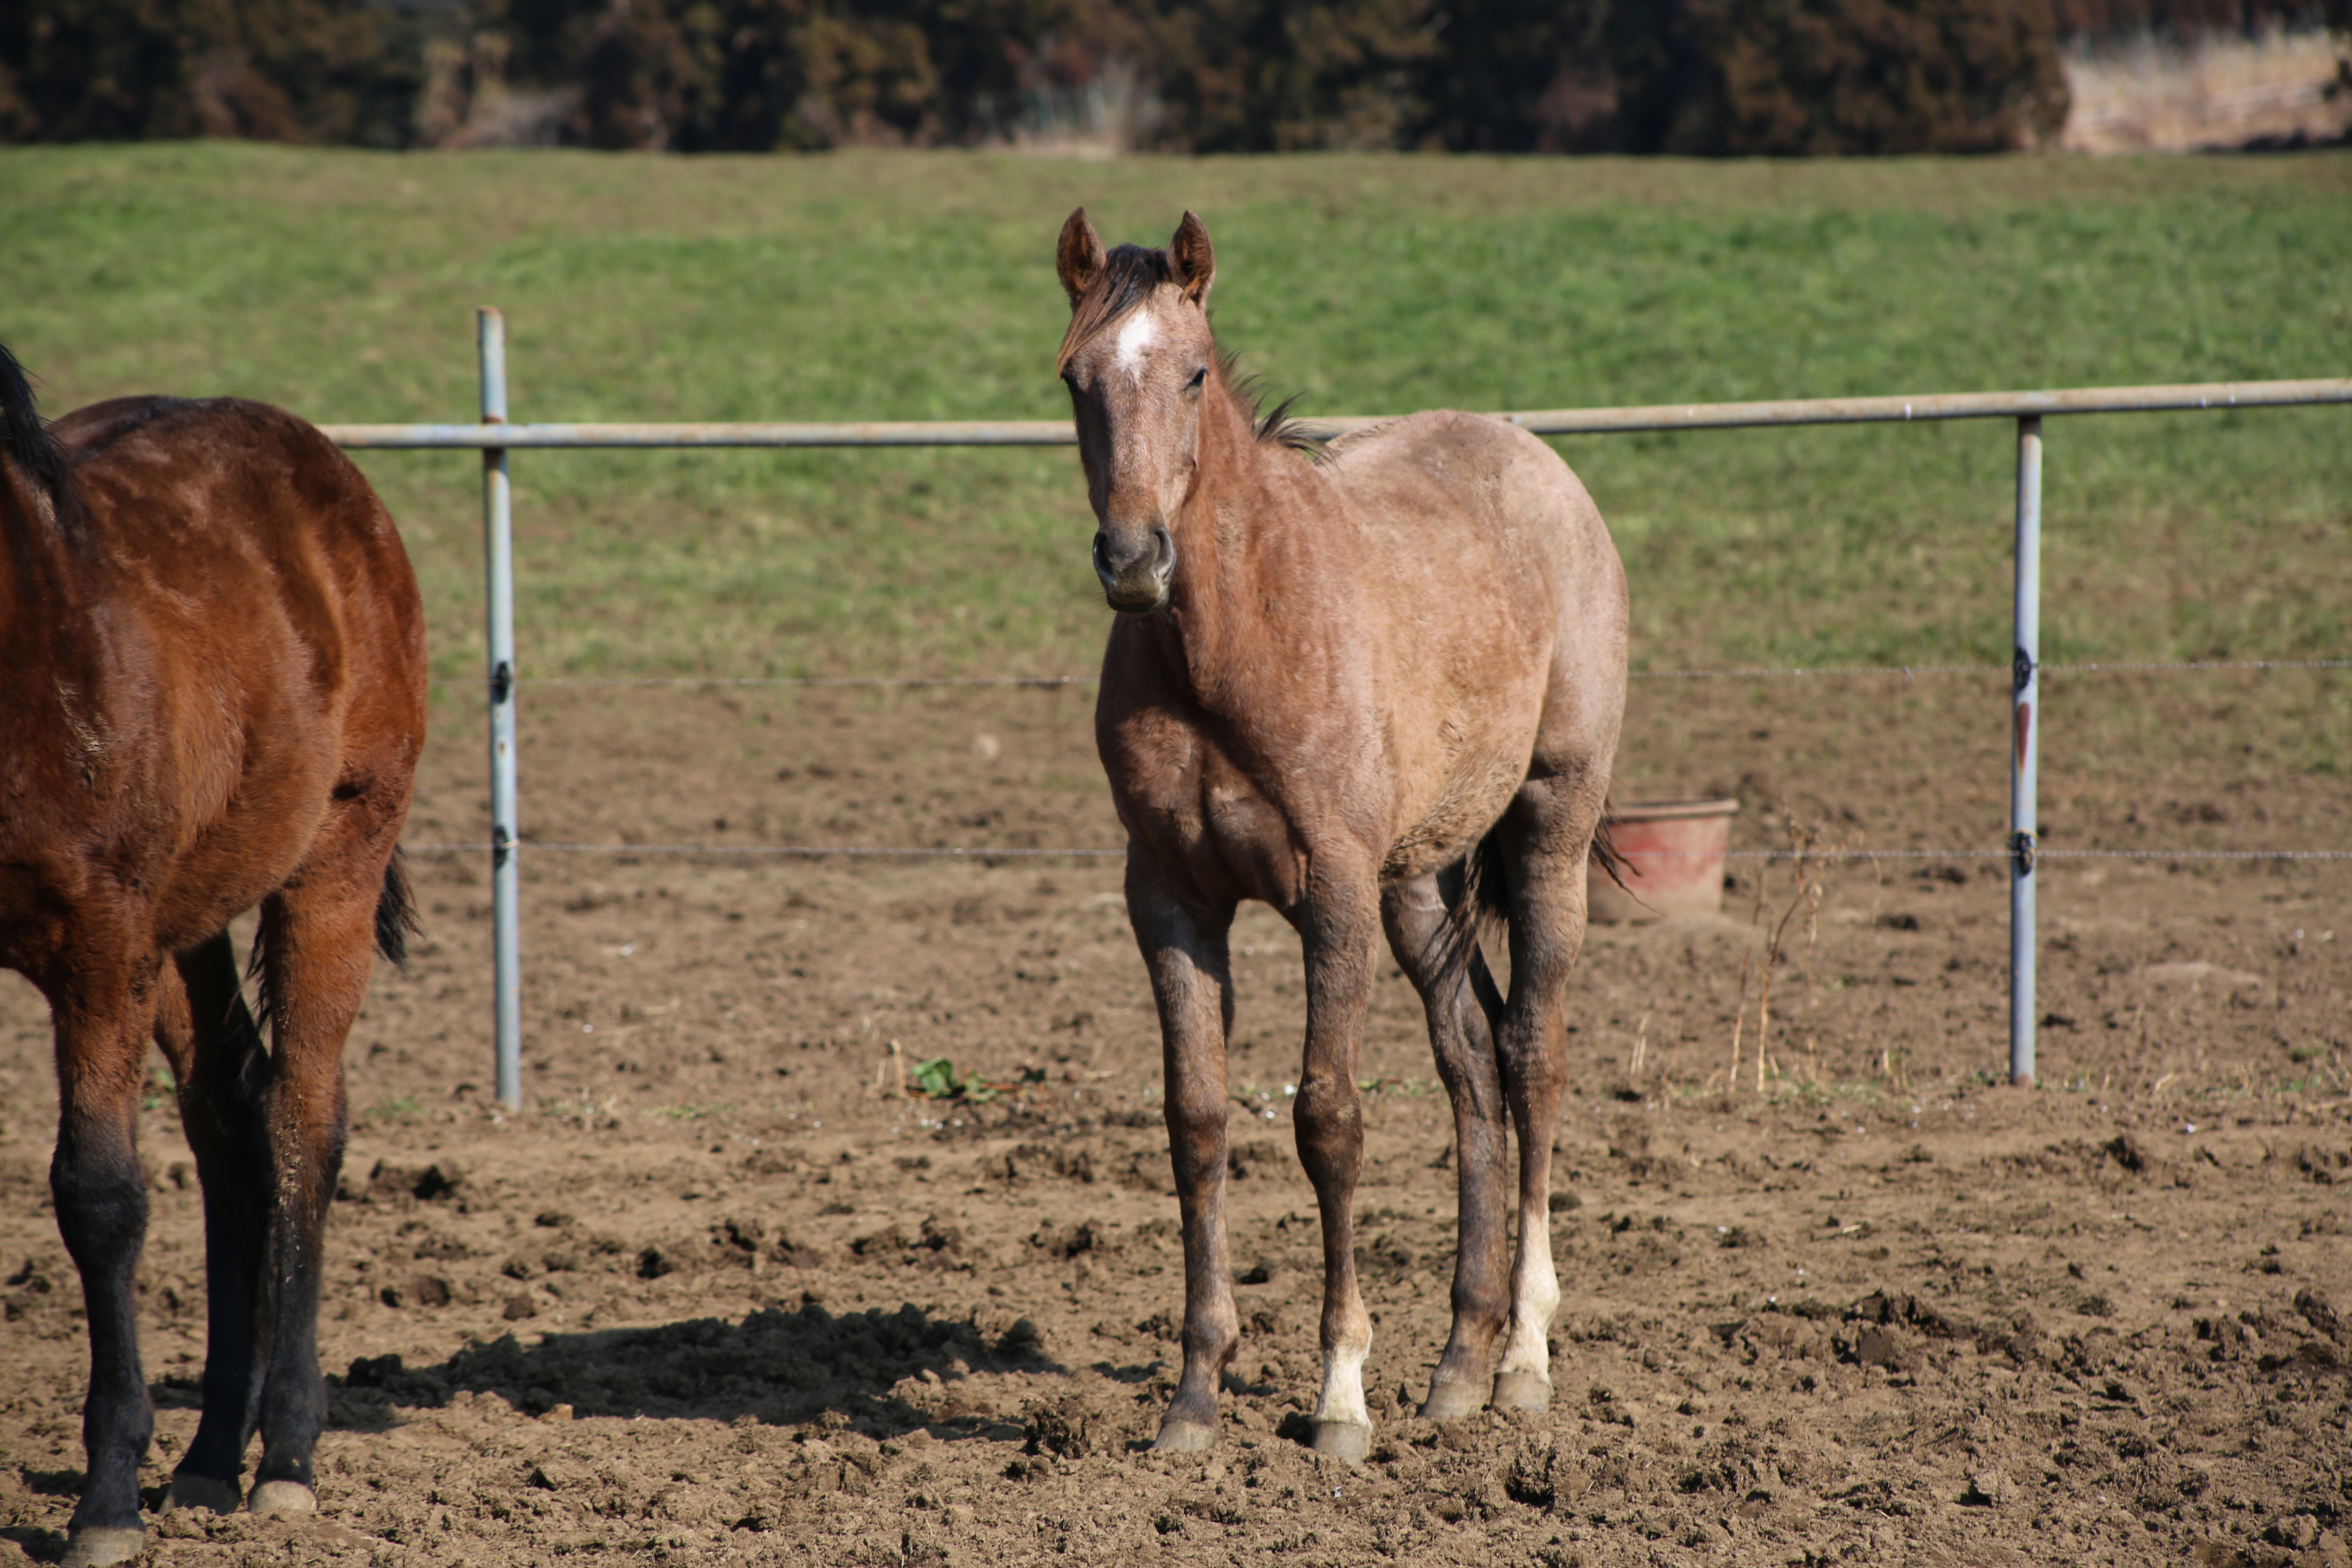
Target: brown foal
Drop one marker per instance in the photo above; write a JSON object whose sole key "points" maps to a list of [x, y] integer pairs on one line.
{"points": [[1379, 689], [212, 695]]}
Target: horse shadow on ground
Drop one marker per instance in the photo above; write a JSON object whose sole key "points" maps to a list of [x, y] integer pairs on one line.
{"points": [[777, 1367]]}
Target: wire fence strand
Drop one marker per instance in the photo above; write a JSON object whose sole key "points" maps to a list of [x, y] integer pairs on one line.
{"points": [[996, 852]]}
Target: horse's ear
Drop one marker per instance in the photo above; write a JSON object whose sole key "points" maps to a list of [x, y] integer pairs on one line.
{"points": [[1195, 263], [1079, 256]]}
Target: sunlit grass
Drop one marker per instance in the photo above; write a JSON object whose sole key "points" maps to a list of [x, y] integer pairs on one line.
{"points": [[872, 286]]}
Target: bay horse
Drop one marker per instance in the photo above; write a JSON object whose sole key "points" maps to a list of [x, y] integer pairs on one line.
{"points": [[211, 696], [1378, 688]]}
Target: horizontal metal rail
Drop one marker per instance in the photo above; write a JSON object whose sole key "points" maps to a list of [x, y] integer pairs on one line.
{"points": [[1544, 422], [2143, 667], [496, 438]]}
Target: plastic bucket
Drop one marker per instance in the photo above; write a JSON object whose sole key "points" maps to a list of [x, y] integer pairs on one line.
{"points": [[1672, 854]]}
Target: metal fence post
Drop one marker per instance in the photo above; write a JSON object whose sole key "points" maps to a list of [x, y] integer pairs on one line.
{"points": [[497, 556], [2025, 750]]}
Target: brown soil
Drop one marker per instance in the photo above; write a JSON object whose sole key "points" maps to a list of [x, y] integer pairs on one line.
{"points": [[727, 1290]]}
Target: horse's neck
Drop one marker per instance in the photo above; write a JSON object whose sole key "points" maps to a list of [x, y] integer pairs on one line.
{"points": [[1219, 619]]}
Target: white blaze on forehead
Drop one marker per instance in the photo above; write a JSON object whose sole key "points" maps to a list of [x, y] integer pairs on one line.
{"points": [[1135, 340]]}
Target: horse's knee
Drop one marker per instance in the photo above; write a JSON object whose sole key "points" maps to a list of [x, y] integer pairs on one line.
{"points": [[1195, 1115], [100, 1197], [1329, 1115]]}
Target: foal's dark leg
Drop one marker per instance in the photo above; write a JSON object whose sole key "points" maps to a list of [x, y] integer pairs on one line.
{"points": [[104, 1016], [1457, 995], [1548, 832], [1185, 950], [217, 1056], [318, 934], [1339, 932]]}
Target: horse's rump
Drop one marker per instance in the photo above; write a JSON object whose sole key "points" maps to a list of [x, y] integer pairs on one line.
{"points": [[244, 647]]}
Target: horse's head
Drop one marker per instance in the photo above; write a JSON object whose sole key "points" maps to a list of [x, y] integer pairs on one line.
{"points": [[1138, 359]]}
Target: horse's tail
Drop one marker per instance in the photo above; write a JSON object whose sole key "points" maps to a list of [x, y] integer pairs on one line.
{"points": [[1477, 905], [395, 912], [395, 918], [26, 440], [1605, 853], [1478, 896]]}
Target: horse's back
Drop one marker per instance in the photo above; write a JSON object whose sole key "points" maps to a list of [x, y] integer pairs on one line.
{"points": [[241, 514], [1433, 475], [1482, 515], [167, 455]]}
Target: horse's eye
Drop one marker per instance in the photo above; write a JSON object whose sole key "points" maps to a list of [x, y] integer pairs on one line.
{"points": [[1198, 376]]}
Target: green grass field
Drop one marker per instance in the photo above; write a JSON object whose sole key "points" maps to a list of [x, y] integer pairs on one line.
{"points": [[875, 285]]}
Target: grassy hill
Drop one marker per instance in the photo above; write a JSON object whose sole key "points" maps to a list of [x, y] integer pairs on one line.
{"points": [[877, 286]]}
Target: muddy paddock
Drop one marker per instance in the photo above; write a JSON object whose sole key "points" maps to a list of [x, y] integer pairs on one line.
{"points": [[735, 1287]]}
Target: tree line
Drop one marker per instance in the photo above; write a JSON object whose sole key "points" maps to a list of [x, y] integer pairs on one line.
{"points": [[1701, 77]]}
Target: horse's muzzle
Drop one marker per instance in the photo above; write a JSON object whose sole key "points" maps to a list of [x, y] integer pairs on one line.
{"points": [[1134, 571]]}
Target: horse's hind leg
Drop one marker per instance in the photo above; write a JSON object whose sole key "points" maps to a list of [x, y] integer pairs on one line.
{"points": [[216, 1053], [316, 936], [1547, 836], [104, 1014], [1445, 967]]}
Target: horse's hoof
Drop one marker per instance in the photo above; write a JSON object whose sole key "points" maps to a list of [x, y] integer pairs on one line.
{"points": [[1450, 1401], [101, 1544], [283, 1497], [1522, 1391], [1184, 1437], [209, 1492], [1343, 1440]]}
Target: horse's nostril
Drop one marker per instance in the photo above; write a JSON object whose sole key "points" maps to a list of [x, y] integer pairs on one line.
{"points": [[1124, 568]]}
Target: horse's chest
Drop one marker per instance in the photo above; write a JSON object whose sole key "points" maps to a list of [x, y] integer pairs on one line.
{"points": [[1205, 814]]}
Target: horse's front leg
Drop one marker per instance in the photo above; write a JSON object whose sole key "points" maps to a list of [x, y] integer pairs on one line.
{"points": [[1184, 947], [223, 1069], [104, 1014], [1339, 929]]}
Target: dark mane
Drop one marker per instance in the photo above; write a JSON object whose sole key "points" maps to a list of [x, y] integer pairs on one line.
{"points": [[25, 438], [1279, 427]]}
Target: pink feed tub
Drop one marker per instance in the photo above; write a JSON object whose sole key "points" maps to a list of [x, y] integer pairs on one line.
{"points": [[1672, 854]]}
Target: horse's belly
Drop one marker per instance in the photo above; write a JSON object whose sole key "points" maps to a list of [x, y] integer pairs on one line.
{"points": [[1456, 815]]}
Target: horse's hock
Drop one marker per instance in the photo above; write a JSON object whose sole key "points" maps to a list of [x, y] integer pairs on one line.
{"points": [[1672, 856]]}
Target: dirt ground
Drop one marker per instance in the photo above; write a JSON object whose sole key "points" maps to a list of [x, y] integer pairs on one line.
{"points": [[728, 1290]]}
